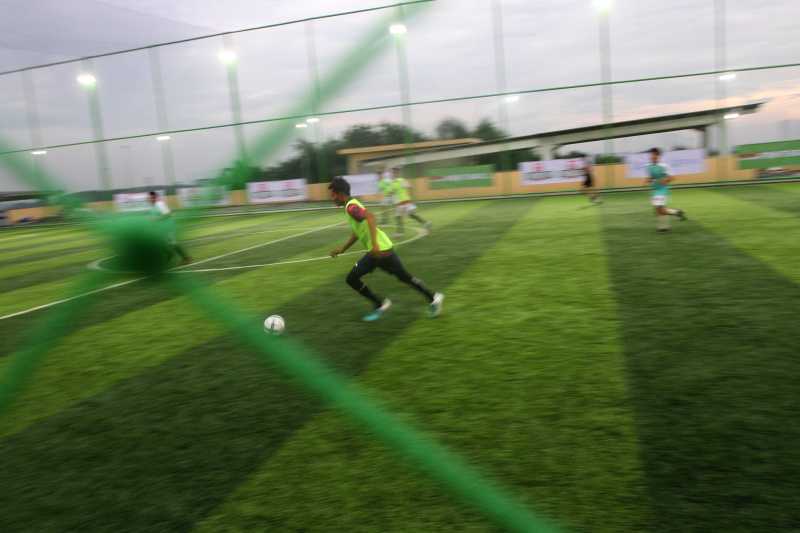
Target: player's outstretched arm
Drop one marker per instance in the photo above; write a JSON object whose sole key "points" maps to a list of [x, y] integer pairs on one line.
{"points": [[343, 248]]}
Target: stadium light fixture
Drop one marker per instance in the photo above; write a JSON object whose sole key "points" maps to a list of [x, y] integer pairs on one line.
{"points": [[512, 98], [730, 116], [228, 57], [312, 120], [301, 125], [163, 138], [39, 152], [87, 80], [398, 29], [728, 76], [603, 6]]}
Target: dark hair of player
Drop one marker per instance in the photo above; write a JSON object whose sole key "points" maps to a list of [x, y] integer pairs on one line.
{"points": [[340, 185], [153, 194], [656, 151]]}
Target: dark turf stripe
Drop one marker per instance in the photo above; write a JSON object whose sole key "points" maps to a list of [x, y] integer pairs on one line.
{"points": [[713, 374], [161, 450]]}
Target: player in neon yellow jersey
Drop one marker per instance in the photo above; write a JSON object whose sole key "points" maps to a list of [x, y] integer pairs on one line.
{"points": [[386, 186], [380, 254], [659, 178], [403, 204]]}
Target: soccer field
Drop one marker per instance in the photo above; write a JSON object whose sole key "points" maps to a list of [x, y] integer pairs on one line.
{"points": [[612, 378]]}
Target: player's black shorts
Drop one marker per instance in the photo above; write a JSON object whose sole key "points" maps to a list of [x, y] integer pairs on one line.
{"points": [[389, 263], [588, 181]]}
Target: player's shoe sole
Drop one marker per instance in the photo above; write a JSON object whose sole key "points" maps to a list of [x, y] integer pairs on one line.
{"points": [[435, 307]]}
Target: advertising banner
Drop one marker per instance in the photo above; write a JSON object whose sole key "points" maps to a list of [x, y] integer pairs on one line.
{"points": [[770, 158], [681, 162], [461, 177], [552, 171], [362, 184], [203, 196], [267, 192]]}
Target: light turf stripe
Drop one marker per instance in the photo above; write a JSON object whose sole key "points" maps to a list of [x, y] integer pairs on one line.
{"points": [[529, 348], [94, 358], [771, 235], [208, 246]]}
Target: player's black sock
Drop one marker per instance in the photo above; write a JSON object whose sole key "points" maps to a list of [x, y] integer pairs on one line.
{"points": [[399, 224], [417, 218], [417, 284], [361, 288], [371, 296]]}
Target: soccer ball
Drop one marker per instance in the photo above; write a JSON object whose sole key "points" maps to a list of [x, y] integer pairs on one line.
{"points": [[274, 325]]}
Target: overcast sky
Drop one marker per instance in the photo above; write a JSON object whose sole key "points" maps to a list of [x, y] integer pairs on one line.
{"points": [[450, 50]]}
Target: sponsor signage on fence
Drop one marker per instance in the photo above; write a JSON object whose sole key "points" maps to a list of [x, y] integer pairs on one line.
{"points": [[203, 196], [267, 192], [769, 155], [134, 201], [680, 161], [552, 171], [461, 177], [362, 184]]}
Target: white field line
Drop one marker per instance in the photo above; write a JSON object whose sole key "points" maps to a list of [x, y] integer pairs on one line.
{"points": [[65, 300], [128, 282], [420, 234]]}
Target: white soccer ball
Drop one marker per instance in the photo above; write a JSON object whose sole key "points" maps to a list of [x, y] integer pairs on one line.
{"points": [[274, 325]]}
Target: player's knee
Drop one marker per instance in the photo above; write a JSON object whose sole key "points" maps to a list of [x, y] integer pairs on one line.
{"points": [[353, 279]]}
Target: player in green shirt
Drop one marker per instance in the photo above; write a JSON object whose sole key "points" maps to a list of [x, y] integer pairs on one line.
{"points": [[386, 186], [380, 254], [659, 178], [403, 204]]}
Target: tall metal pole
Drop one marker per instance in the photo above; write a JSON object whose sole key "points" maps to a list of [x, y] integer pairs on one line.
{"points": [[167, 159], [32, 115], [101, 156], [607, 89], [500, 75], [720, 92], [399, 32], [313, 70], [235, 100]]}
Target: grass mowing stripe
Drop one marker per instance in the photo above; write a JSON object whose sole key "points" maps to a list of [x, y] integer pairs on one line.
{"points": [[132, 296], [148, 438], [494, 379], [71, 264], [712, 370], [770, 235], [776, 197], [98, 355]]}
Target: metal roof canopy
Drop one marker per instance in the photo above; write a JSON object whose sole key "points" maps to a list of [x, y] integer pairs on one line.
{"points": [[550, 141]]}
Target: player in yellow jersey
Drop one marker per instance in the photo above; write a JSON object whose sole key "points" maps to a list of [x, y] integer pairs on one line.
{"points": [[403, 204], [380, 254]]}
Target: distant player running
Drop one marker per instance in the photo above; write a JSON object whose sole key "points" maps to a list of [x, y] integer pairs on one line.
{"points": [[588, 183], [380, 254], [386, 186], [162, 213], [403, 204], [659, 177]]}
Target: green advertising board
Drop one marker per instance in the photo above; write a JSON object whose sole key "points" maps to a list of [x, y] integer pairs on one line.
{"points": [[769, 155], [461, 177]]}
